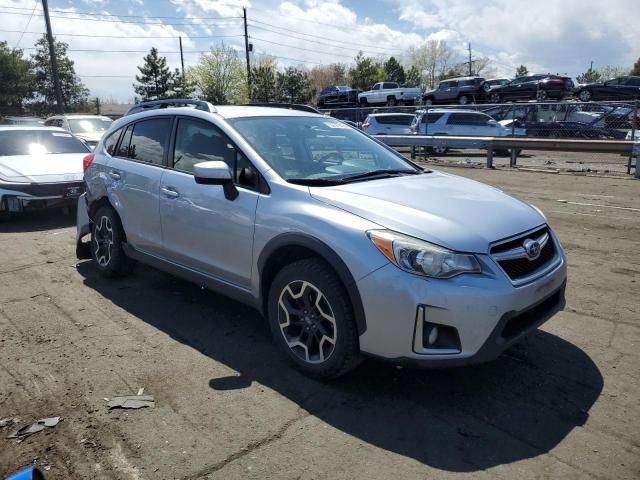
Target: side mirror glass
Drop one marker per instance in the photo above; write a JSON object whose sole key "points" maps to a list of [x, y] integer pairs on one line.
{"points": [[216, 173]]}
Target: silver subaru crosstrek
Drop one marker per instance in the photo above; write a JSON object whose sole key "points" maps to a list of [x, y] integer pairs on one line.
{"points": [[346, 247]]}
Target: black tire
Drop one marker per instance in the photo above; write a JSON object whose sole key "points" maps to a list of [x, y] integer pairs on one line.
{"points": [[364, 102], [312, 278], [428, 101], [495, 98], [391, 101], [584, 95], [463, 99], [110, 260], [542, 95], [439, 150]]}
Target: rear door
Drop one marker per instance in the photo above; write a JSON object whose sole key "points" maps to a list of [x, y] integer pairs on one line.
{"points": [[463, 124], [202, 229], [134, 175], [632, 88]]}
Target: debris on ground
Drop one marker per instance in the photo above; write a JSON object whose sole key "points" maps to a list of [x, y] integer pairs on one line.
{"points": [[5, 422], [131, 401], [35, 427], [86, 443]]}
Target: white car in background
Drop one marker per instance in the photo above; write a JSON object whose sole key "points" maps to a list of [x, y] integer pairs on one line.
{"points": [[88, 128], [388, 123], [40, 167]]}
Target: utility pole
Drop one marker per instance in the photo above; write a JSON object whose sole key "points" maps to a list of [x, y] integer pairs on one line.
{"points": [[246, 48], [181, 56], [54, 60], [470, 62]]}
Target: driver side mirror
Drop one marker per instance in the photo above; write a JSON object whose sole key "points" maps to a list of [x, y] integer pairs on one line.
{"points": [[216, 173]]}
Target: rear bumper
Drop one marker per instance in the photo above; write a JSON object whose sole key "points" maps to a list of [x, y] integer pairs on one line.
{"points": [[19, 197]]}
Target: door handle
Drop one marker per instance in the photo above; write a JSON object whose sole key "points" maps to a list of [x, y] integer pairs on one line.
{"points": [[170, 192], [115, 175]]}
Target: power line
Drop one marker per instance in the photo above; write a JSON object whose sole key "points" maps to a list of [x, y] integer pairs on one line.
{"points": [[123, 21], [300, 48], [123, 36], [97, 14], [319, 43], [89, 50], [35, 5], [322, 38]]}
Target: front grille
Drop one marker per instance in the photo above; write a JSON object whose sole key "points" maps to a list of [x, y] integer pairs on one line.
{"points": [[513, 259]]}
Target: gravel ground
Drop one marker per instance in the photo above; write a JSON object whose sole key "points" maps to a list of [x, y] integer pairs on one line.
{"points": [[564, 403]]}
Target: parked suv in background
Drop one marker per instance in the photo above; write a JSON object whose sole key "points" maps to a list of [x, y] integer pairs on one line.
{"points": [[388, 123], [622, 88], [532, 87], [88, 128], [461, 90], [342, 243], [337, 94]]}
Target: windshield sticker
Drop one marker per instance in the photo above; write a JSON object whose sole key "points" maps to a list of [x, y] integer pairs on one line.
{"points": [[337, 125], [56, 134]]}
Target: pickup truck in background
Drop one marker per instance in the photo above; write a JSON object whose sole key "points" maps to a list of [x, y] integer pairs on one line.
{"points": [[389, 93]]}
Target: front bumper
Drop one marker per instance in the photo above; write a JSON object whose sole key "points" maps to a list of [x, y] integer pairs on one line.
{"points": [[19, 197], [488, 312]]}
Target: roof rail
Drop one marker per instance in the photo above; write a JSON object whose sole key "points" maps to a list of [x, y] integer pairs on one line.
{"points": [[172, 102], [289, 106]]}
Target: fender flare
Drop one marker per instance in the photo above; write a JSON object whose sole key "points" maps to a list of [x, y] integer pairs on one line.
{"points": [[325, 252]]}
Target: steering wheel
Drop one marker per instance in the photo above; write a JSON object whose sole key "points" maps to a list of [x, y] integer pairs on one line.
{"points": [[326, 157]]}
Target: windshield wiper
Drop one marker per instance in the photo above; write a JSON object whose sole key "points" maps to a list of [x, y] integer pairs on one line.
{"points": [[315, 182], [373, 174]]}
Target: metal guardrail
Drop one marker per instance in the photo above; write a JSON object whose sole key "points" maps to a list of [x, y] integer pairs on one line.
{"points": [[515, 144]]}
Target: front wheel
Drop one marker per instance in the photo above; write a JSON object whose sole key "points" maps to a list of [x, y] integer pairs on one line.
{"points": [[312, 320], [463, 100], [428, 101], [495, 98], [364, 102], [107, 237], [542, 95], [584, 95], [391, 101]]}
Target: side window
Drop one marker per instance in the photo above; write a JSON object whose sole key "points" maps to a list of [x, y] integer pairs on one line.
{"points": [[199, 141], [148, 142], [111, 142], [634, 81], [432, 117], [123, 149], [467, 119]]}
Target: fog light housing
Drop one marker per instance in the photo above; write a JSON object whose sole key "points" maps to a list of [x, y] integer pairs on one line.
{"points": [[434, 338]]}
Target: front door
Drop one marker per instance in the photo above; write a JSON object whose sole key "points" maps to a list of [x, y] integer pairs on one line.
{"points": [[202, 229], [134, 181]]}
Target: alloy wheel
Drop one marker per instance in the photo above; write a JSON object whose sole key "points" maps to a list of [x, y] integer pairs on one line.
{"points": [[307, 322], [103, 241]]}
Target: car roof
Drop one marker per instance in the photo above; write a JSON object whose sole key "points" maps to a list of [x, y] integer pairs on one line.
{"points": [[79, 116], [451, 110], [387, 114], [462, 78], [29, 127]]}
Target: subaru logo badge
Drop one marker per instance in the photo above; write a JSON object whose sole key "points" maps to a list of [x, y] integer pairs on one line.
{"points": [[531, 248]]}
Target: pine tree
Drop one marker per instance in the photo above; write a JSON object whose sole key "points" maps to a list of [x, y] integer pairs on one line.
{"points": [[413, 77], [394, 71], [155, 78], [263, 82], [74, 93], [521, 71]]}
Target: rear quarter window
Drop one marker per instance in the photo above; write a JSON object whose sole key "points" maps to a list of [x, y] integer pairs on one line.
{"points": [[395, 119], [432, 117]]}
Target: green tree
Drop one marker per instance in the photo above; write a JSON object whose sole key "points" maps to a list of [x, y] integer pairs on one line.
{"points": [[220, 76], [263, 81], [16, 79], [521, 71], [180, 86], [155, 78], [636, 68], [365, 73], [74, 93], [413, 77], [394, 72], [590, 76], [294, 86]]}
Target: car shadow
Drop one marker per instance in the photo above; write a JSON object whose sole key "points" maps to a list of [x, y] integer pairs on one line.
{"points": [[461, 420], [38, 220]]}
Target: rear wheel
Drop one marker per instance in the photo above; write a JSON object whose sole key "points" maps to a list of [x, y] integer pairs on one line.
{"points": [[311, 319], [584, 95], [439, 150], [428, 101], [495, 98], [364, 102], [391, 101], [542, 95], [107, 237], [463, 99]]}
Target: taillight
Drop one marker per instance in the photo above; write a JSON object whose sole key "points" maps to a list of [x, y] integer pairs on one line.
{"points": [[365, 125], [555, 81], [86, 161]]}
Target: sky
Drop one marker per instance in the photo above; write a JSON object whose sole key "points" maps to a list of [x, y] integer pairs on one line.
{"points": [[557, 36]]}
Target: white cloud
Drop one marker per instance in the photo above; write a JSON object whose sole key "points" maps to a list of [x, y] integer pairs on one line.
{"points": [[547, 35]]}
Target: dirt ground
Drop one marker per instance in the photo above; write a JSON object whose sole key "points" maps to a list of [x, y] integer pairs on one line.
{"points": [[564, 403]]}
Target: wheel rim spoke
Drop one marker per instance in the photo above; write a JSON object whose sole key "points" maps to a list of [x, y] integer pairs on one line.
{"points": [[103, 240], [307, 322]]}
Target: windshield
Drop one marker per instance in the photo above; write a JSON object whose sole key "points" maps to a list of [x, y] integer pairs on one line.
{"points": [[89, 125], [38, 142], [305, 148]]}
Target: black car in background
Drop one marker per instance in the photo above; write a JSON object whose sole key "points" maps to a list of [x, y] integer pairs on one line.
{"points": [[533, 87], [337, 94], [621, 88]]}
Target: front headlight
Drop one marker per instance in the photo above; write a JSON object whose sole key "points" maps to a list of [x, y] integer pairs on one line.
{"points": [[420, 257]]}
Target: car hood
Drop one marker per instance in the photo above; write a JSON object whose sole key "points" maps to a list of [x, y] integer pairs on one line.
{"points": [[444, 209], [63, 167]]}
